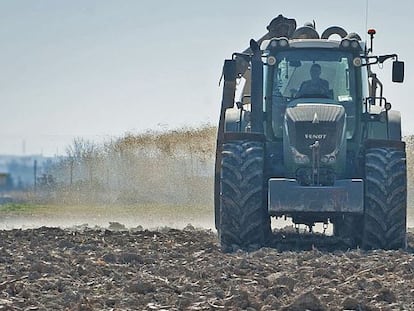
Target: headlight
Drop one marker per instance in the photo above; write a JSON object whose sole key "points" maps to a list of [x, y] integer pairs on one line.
{"points": [[279, 43], [354, 44], [345, 43], [350, 44], [328, 159], [298, 157], [357, 61], [273, 43], [283, 43], [271, 60]]}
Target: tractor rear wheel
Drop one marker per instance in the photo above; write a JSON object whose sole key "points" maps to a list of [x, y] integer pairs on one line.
{"points": [[244, 221], [385, 199]]}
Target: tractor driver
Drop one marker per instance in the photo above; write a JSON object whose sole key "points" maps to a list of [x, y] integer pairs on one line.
{"points": [[316, 86]]}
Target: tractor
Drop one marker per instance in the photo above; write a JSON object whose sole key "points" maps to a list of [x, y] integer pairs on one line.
{"points": [[305, 133]]}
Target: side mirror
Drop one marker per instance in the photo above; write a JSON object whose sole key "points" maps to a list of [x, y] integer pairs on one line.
{"points": [[398, 71], [229, 88]]}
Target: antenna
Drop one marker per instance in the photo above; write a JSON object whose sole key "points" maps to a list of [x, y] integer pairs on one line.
{"points": [[366, 27], [366, 20]]}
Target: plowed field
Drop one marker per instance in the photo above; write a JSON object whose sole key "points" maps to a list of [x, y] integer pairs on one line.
{"points": [[170, 269]]}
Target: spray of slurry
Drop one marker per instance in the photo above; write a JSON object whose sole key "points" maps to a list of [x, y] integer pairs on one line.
{"points": [[171, 167]]}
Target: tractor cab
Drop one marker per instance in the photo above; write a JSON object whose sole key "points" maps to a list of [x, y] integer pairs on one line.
{"points": [[295, 76]]}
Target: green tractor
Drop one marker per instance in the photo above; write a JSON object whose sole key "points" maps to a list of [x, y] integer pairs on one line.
{"points": [[306, 133]]}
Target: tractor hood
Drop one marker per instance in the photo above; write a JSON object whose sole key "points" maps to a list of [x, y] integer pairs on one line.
{"points": [[308, 123], [314, 130]]}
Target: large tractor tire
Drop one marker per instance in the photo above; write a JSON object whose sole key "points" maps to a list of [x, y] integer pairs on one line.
{"points": [[385, 211], [244, 221]]}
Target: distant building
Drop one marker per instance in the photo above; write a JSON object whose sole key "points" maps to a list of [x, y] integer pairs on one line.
{"points": [[18, 172], [6, 182]]}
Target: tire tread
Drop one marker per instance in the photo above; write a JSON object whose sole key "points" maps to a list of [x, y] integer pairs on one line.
{"points": [[385, 199], [243, 215]]}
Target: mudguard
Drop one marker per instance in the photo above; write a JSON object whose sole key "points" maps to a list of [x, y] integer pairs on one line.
{"points": [[394, 125], [233, 122], [377, 130], [382, 143]]}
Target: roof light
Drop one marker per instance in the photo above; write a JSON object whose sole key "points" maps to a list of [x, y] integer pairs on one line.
{"points": [[345, 43], [279, 42], [354, 44], [283, 43], [350, 44]]}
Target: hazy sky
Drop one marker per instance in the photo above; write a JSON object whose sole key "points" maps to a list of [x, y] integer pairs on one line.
{"points": [[100, 68]]}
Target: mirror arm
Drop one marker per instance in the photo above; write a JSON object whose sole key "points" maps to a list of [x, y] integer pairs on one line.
{"points": [[383, 58], [378, 59]]}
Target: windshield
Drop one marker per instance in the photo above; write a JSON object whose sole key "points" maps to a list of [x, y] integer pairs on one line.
{"points": [[306, 75]]}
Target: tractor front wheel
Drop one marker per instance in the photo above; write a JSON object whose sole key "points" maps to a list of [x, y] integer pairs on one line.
{"points": [[244, 221], [385, 208]]}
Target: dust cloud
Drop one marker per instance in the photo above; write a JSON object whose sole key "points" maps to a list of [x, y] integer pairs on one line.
{"points": [[174, 168], [151, 179]]}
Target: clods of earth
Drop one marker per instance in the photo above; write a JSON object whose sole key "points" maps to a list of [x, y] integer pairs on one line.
{"points": [[101, 269]]}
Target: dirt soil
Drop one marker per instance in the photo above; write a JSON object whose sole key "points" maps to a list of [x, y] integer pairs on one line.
{"points": [[169, 269]]}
